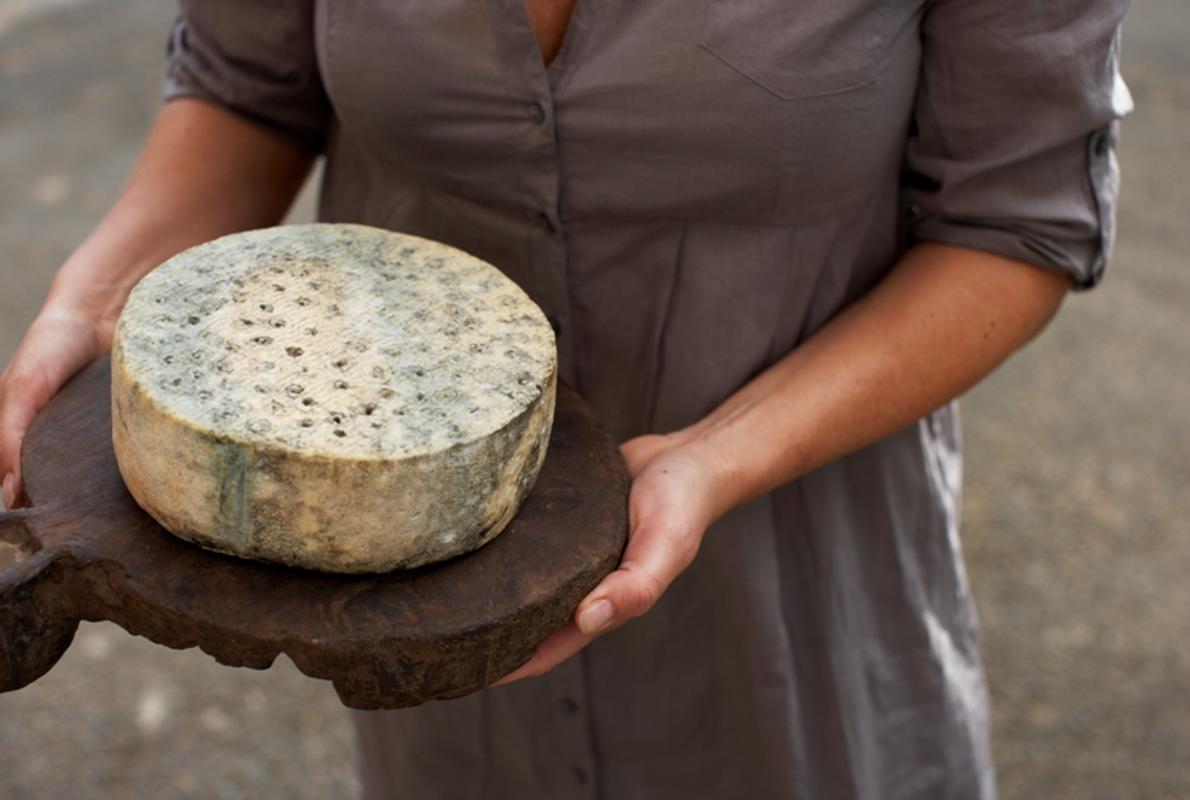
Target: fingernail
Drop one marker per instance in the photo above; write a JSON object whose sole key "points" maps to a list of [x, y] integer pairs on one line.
{"points": [[10, 495], [596, 617]]}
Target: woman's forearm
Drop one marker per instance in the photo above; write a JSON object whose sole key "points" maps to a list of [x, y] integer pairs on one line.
{"points": [[203, 172], [942, 319]]}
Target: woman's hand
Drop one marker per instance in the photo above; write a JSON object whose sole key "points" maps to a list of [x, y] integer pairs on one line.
{"points": [[59, 343], [677, 492], [940, 321]]}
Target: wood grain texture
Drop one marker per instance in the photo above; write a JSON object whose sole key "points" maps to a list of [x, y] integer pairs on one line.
{"points": [[87, 552]]}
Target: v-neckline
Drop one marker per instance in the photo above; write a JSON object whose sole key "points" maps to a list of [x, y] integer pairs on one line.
{"points": [[556, 64]]}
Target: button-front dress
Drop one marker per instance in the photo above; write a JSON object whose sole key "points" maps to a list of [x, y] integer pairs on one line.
{"points": [[690, 190]]}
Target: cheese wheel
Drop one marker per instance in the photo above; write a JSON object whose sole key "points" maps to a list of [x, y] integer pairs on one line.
{"points": [[334, 397]]}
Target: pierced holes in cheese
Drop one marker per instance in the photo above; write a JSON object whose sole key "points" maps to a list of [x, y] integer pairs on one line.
{"points": [[420, 362]]}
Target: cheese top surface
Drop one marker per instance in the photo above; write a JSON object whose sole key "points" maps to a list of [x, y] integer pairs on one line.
{"points": [[338, 340]]}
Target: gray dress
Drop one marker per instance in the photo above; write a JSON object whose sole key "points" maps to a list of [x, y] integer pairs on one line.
{"points": [[689, 191]]}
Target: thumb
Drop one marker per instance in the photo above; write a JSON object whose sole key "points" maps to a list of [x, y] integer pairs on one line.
{"points": [[8, 492], [654, 558], [58, 343], [13, 425], [22, 396]]}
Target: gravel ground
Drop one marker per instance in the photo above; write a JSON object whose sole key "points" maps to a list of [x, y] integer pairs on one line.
{"points": [[1078, 454]]}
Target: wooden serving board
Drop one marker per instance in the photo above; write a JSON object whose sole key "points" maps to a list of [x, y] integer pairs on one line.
{"points": [[85, 551]]}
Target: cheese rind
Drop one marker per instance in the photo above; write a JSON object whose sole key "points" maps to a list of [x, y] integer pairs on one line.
{"points": [[334, 397]]}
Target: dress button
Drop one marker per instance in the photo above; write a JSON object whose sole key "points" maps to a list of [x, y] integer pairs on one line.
{"points": [[1099, 144], [537, 112], [580, 774], [567, 703], [546, 223]]}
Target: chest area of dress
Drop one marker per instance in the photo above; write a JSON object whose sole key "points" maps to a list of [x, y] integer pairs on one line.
{"points": [[708, 107]]}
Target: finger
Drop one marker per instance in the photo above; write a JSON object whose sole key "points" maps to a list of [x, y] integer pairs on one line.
{"points": [[559, 646], [8, 490], [58, 343], [26, 393], [14, 422], [23, 398]]}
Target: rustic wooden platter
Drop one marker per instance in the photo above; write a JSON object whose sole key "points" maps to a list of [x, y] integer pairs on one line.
{"points": [[85, 551]]}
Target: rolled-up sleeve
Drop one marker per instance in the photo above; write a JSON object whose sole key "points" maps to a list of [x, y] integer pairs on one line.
{"points": [[1015, 127], [254, 57]]}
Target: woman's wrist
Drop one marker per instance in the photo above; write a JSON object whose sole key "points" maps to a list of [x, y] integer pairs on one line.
{"points": [[86, 339], [728, 479], [941, 320], [91, 312], [94, 283]]}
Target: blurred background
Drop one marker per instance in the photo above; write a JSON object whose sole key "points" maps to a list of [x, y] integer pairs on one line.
{"points": [[1076, 512]]}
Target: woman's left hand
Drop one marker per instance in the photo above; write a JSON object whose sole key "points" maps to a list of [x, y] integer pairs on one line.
{"points": [[676, 494]]}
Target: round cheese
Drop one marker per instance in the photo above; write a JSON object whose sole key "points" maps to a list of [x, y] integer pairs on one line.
{"points": [[335, 397]]}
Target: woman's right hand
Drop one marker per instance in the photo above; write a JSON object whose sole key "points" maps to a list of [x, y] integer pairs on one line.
{"points": [[59, 343]]}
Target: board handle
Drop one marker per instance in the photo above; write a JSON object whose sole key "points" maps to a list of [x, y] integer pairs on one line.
{"points": [[33, 632]]}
